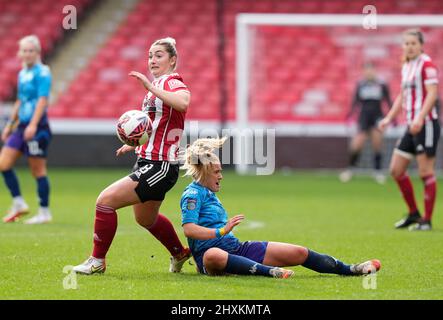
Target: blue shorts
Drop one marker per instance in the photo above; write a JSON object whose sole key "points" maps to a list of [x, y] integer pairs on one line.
{"points": [[254, 250], [37, 147]]}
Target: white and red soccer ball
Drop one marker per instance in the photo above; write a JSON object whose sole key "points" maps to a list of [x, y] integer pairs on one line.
{"points": [[134, 128]]}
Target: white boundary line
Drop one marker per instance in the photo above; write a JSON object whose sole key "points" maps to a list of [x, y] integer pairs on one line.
{"points": [[107, 127]]}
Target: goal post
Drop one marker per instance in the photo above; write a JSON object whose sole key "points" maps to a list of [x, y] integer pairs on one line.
{"points": [[246, 34]]}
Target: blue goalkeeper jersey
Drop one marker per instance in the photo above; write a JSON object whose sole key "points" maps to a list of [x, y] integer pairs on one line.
{"points": [[33, 83], [201, 206]]}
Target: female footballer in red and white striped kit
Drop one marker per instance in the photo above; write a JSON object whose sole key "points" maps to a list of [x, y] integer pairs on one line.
{"points": [[418, 96], [156, 170]]}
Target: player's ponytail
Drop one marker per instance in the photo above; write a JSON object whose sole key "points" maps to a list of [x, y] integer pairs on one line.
{"points": [[169, 44], [199, 156]]}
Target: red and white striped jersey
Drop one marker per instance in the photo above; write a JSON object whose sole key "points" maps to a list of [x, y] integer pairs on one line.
{"points": [[416, 74], [167, 123]]}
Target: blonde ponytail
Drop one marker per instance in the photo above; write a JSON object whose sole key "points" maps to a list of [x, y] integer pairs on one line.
{"points": [[200, 155]]}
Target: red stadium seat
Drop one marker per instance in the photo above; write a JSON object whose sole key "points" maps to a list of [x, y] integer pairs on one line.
{"points": [[293, 60], [20, 18]]}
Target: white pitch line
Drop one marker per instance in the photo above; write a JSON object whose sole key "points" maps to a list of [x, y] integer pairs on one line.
{"points": [[251, 225]]}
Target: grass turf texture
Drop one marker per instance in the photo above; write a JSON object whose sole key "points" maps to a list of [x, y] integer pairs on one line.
{"points": [[352, 222]]}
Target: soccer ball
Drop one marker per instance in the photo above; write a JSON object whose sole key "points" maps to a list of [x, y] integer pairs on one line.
{"points": [[134, 128]]}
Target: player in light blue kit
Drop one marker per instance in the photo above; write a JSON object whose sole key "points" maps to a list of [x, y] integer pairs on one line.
{"points": [[28, 133], [214, 247]]}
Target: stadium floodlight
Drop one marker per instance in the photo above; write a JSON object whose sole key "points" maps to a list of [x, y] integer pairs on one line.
{"points": [[245, 42]]}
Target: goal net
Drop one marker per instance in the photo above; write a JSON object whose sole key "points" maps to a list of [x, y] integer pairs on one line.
{"points": [[297, 73]]}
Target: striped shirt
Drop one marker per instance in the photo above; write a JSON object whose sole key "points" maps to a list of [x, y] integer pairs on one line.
{"points": [[416, 74], [167, 123]]}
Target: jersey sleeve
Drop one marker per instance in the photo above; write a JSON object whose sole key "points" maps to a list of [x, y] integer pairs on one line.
{"points": [[174, 85], [44, 82], [190, 204], [429, 73]]}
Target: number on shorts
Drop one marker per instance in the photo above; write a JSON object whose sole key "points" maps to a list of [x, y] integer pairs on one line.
{"points": [[33, 148], [146, 168]]}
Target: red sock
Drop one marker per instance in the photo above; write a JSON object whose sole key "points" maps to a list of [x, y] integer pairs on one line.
{"points": [[164, 231], [430, 192], [105, 227], [405, 184]]}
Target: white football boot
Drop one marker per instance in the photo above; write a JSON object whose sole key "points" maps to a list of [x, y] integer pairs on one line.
{"points": [[19, 208], [379, 177], [281, 273], [177, 262], [346, 176], [43, 216], [90, 266], [367, 267]]}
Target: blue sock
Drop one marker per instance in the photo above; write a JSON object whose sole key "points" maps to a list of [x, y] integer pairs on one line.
{"points": [[241, 265], [43, 191], [326, 264], [11, 182]]}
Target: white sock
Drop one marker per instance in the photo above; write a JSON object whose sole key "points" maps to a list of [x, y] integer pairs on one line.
{"points": [[18, 201], [44, 211]]}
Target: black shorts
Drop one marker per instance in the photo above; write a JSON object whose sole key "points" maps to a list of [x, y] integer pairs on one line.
{"points": [[368, 120], [155, 179], [423, 142]]}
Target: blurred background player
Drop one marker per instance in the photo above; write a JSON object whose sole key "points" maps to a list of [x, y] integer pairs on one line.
{"points": [[214, 247], [27, 132], [369, 95], [418, 96], [156, 170]]}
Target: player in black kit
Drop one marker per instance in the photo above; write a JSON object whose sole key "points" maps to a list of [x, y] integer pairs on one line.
{"points": [[369, 95]]}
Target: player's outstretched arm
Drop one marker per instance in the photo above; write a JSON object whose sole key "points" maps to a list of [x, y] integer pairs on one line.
{"points": [[178, 100]]}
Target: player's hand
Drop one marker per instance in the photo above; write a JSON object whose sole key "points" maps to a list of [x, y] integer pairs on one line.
{"points": [[234, 221], [383, 124], [124, 149], [30, 132], [142, 78], [6, 133], [416, 125]]}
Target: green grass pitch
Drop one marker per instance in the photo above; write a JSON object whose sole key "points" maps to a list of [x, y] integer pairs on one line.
{"points": [[352, 222]]}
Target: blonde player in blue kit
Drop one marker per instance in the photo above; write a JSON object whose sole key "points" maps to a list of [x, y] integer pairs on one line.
{"points": [[27, 132], [214, 247]]}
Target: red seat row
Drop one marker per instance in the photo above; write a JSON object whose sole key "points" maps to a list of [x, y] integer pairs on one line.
{"points": [[288, 62], [24, 17]]}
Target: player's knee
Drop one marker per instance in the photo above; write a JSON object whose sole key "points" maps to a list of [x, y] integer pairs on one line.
{"points": [[38, 172], [395, 172], [425, 172], [4, 165], [301, 254], [145, 221], [213, 259], [105, 198]]}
